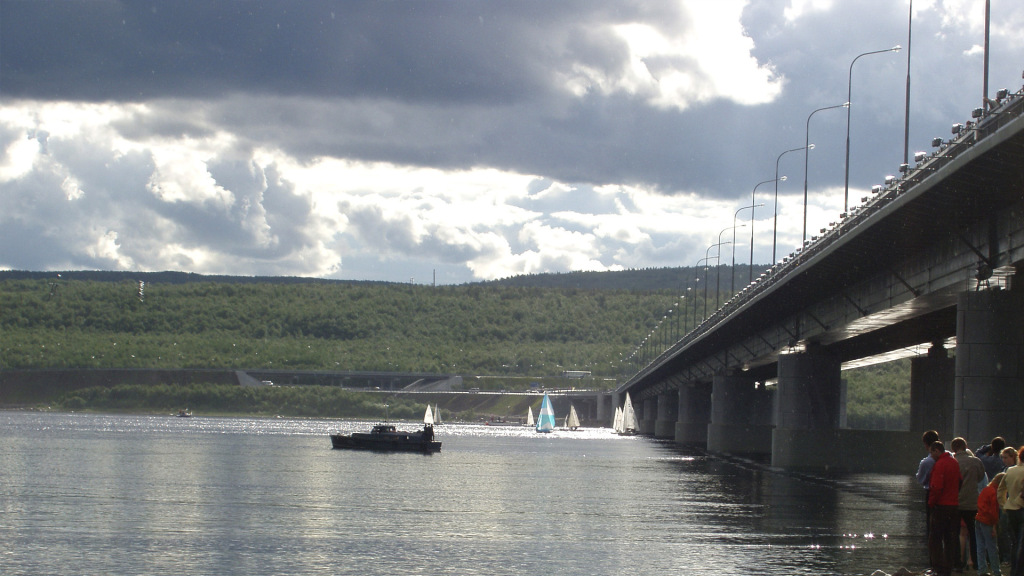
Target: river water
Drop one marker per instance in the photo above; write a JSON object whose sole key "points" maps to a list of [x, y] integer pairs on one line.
{"points": [[90, 494]]}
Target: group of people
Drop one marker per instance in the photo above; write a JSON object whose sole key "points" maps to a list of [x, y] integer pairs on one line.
{"points": [[981, 494]]}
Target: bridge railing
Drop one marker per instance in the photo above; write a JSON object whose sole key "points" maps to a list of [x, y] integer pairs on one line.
{"points": [[985, 122]]}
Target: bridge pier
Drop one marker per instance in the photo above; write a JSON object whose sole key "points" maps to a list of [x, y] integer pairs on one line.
{"points": [[646, 413], [807, 411], [931, 392], [739, 422], [989, 370], [694, 414], [668, 413]]}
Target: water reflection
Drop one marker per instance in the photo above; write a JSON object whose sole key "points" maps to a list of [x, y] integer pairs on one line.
{"points": [[113, 494]]}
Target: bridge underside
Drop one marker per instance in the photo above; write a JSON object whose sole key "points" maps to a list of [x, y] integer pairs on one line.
{"points": [[891, 276]]}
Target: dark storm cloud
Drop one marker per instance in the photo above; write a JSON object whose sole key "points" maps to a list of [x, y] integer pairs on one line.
{"points": [[451, 51], [224, 136]]}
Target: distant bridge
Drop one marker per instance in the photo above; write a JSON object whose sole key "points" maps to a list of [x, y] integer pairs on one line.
{"points": [[928, 258]]}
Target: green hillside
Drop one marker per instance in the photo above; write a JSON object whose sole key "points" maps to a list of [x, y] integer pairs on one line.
{"points": [[510, 333], [470, 329]]}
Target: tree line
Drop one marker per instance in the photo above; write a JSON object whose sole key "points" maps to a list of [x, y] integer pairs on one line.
{"points": [[114, 320]]}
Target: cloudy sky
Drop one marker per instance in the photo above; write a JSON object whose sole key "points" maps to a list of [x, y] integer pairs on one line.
{"points": [[468, 139]]}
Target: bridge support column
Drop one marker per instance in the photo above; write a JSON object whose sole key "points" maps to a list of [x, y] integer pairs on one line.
{"points": [[931, 392], [735, 426], [989, 366], [605, 409], [807, 412], [694, 414], [668, 413], [646, 415]]}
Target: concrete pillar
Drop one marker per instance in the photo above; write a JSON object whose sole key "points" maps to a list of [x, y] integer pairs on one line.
{"points": [[605, 409], [989, 366], [647, 415], [807, 410], [694, 414], [668, 413], [735, 406], [932, 383]]}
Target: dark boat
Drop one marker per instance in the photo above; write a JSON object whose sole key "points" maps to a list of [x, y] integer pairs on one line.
{"points": [[384, 438]]}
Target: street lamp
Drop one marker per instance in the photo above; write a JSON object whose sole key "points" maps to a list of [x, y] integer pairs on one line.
{"points": [[849, 94], [775, 225], [732, 281], [706, 258], [695, 280], [807, 147], [718, 272]]}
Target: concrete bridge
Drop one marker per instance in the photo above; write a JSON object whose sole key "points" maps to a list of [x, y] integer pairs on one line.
{"points": [[928, 258]]}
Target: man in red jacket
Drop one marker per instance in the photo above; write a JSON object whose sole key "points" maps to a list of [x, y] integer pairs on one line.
{"points": [[943, 500]]}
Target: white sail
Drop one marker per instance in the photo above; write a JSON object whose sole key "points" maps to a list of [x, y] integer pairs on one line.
{"points": [[437, 414], [428, 416], [617, 421], [629, 423], [529, 416], [572, 421]]}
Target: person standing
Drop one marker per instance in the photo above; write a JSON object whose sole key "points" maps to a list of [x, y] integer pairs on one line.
{"points": [[986, 522], [993, 461], [972, 480], [924, 473], [944, 501], [992, 458], [1009, 493]]}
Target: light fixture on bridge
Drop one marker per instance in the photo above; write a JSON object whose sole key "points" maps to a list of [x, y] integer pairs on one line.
{"points": [[936, 142], [889, 180], [1001, 95], [904, 168], [876, 188], [920, 156], [822, 231], [958, 128], [977, 113]]}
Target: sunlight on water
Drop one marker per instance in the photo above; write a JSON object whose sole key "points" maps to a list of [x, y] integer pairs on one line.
{"points": [[112, 494]]}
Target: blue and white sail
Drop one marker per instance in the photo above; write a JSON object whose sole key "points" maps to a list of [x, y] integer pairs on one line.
{"points": [[546, 418]]}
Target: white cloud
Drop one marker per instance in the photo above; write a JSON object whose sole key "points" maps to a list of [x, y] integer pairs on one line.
{"points": [[799, 8], [708, 58]]}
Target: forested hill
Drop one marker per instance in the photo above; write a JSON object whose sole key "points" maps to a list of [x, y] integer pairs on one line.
{"points": [[646, 279]]}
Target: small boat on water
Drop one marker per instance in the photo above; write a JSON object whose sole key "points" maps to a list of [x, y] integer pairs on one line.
{"points": [[529, 417], [626, 424], [185, 413], [572, 421], [546, 417], [385, 438]]}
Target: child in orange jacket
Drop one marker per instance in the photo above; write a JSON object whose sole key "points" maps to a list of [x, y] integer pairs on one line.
{"points": [[985, 523]]}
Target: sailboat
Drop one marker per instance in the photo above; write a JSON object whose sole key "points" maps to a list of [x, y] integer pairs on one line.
{"points": [[629, 423], [546, 418], [572, 421], [428, 416], [437, 414], [617, 421], [529, 417]]}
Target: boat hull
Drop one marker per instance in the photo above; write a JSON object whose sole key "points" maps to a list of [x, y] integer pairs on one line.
{"points": [[400, 443]]}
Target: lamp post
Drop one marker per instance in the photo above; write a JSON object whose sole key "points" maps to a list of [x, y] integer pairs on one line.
{"points": [[706, 258], [807, 146], [849, 95], [906, 114], [775, 225], [732, 281], [718, 272], [695, 280]]}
